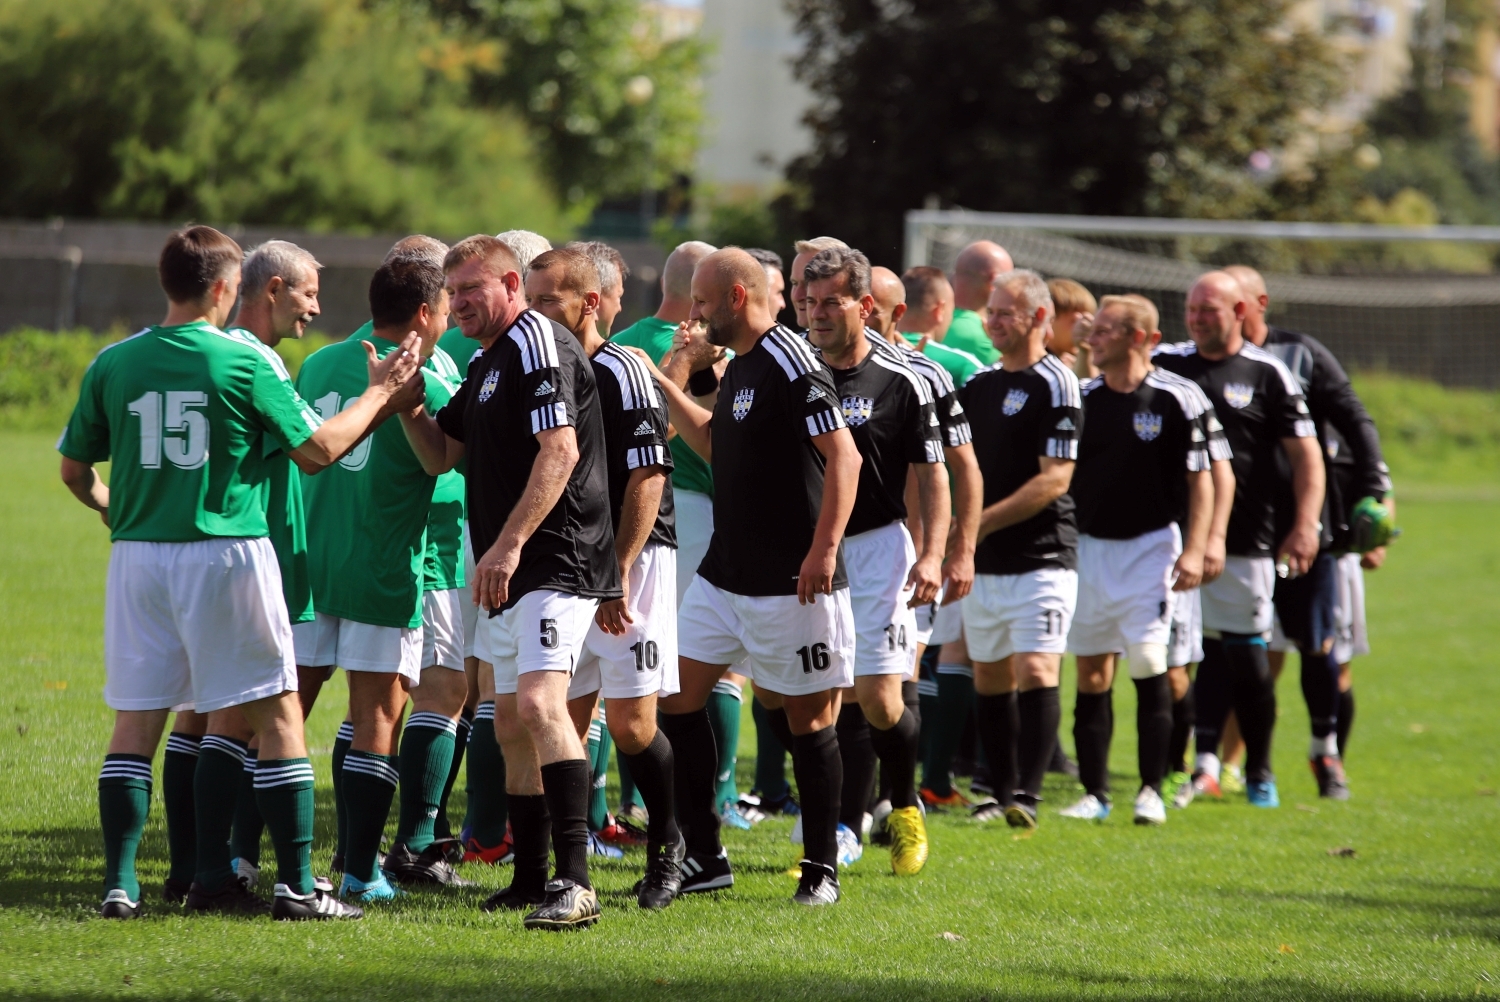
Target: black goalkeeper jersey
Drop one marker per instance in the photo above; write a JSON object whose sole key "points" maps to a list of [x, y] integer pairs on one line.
{"points": [[535, 377], [1136, 451], [635, 433], [1018, 418], [1259, 404], [768, 476]]}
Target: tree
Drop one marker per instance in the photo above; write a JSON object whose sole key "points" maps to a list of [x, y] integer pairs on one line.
{"points": [[1150, 107]]}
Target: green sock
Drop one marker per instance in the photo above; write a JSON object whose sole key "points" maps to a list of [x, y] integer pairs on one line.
{"points": [[489, 808], [216, 783], [340, 749], [629, 795], [177, 768], [369, 786], [284, 791], [426, 756], [955, 699], [770, 757], [724, 717], [244, 839], [442, 828], [124, 800], [598, 755]]}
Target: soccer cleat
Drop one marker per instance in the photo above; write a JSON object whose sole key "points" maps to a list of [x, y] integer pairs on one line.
{"points": [[512, 899], [622, 834], [850, 847], [1231, 780], [117, 905], [1090, 808], [879, 834], [752, 814], [452, 849], [246, 871], [908, 833], [234, 897], [430, 866], [936, 803], [493, 855], [1022, 813], [323, 884], [732, 817], [663, 880], [1328, 770], [1205, 785], [1262, 793], [568, 905], [174, 892], [988, 810], [1172, 784], [599, 847], [636, 815], [289, 906], [379, 889], [818, 885], [784, 804], [702, 872], [1183, 795], [1149, 808]]}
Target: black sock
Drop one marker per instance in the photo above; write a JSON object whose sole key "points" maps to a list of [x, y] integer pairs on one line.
{"points": [[897, 749], [820, 778], [1253, 691], [858, 758], [1211, 694], [1093, 729], [567, 785], [529, 828], [885, 788], [1320, 687], [1184, 715], [696, 760], [1040, 712], [177, 768], [1153, 728], [998, 727], [651, 769], [1346, 719]]}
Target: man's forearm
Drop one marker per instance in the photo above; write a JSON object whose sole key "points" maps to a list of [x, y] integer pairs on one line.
{"points": [[427, 441], [968, 498], [1028, 500], [1223, 479], [85, 484], [549, 478], [342, 432], [840, 485], [690, 421], [1308, 479], [932, 488], [1200, 511], [638, 513]]}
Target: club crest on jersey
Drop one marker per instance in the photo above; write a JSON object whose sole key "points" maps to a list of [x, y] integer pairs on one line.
{"points": [[487, 388], [742, 401], [857, 410], [1238, 395], [1014, 401], [1147, 425]]}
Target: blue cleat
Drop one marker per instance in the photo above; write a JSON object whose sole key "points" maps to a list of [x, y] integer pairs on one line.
{"points": [[353, 889], [850, 847], [599, 847], [1262, 793]]}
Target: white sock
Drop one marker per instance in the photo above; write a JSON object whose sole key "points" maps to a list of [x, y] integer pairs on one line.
{"points": [[1318, 747], [1208, 763]]}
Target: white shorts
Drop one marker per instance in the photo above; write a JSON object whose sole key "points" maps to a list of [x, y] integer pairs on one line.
{"points": [[793, 649], [201, 623], [1026, 613], [644, 660], [945, 623], [1239, 600], [695, 527], [543, 631], [443, 628], [1185, 646], [885, 628], [470, 610], [329, 640], [1350, 639], [1124, 592]]}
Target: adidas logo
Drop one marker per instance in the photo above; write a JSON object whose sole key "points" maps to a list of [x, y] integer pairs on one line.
{"points": [[813, 394], [545, 389], [691, 867], [644, 429], [1066, 424]]}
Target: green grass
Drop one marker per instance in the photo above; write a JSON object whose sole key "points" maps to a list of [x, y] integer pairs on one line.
{"points": [[1224, 902]]}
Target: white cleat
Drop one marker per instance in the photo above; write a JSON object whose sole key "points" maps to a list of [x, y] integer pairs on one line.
{"points": [[1149, 809], [1090, 808]]}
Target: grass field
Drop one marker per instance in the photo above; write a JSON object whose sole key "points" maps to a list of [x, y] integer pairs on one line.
{"points": [[1224, 902]]}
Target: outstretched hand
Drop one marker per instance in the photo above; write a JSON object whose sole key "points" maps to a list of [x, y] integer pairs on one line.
{"points": [[399, 365]]}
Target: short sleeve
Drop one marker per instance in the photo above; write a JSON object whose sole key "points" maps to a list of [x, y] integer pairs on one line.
{"points": [[953, 421], [450, 417], [1286, 409], [1063, 420], [813, 392], [548, 389], [86, 437], [923, 439], [283, 412]]}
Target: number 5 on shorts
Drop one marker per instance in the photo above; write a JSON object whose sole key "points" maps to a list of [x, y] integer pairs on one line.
{"points": [[549, 633], [814, 657]]}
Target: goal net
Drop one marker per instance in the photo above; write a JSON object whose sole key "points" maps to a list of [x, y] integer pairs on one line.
{"points": [[1423, 301]]}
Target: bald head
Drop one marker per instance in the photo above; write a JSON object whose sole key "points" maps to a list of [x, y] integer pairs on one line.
{"points": [[730, 297], [890, 301], [1215, 314], [677, 274], [974, 272], [419, 246], [1256, 301]]}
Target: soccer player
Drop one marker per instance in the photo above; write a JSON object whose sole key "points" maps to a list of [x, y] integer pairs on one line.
{"points": [[612, 270], [1025, 413], [527, 421], [806, 250], [1354, 469], [772, 588], [1145, 499], [525, 245], [194, 606], [1263, 413], [776, 290], [974, 273], [928, 313], [1075, 313], [630, 654]]}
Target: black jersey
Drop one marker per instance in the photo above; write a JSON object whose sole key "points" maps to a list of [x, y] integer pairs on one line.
{"points": [[1259, 404], [635, 432], [533, 378], [768, 475], [1019, 418], [888, 408], [1136, 451], [1351, 445], [953, 422]]}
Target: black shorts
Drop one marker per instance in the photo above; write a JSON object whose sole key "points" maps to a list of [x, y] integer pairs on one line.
{"points": [[1308, 606]]}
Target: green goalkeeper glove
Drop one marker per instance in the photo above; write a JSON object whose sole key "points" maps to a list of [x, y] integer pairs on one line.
{"points": [[1371, 526]]}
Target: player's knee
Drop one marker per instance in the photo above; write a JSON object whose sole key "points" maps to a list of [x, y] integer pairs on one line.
{"points": [[1147, 660]]}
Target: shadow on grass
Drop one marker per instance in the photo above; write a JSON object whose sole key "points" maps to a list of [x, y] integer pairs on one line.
{"points": [[39, 867]]}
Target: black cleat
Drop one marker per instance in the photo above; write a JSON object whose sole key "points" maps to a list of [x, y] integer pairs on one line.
{"points": [[702, 872], [663, 880], [1022, 812], [430, 866], [785, 804], [174, 891], [320, 905], [452, 849], [568, 905], [1328, 770], [233, 898], [819, 885], [988, 809], [513, 899], [117, 905]]}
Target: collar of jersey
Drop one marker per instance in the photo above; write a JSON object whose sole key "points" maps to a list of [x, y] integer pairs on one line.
{"points": [[202, 325]]}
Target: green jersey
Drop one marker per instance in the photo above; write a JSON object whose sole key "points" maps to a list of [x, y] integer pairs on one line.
{"points": [[367, 514], [959, 364], [966, 333], [654, 337], [285, 520], [187, 415]]}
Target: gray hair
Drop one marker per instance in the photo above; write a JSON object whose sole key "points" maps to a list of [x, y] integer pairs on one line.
{"points": [[608, 262], [1027, 286], [525, 245], [846, 261], [768, 258], [819, 244], [417, 247], [276, 259]]}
